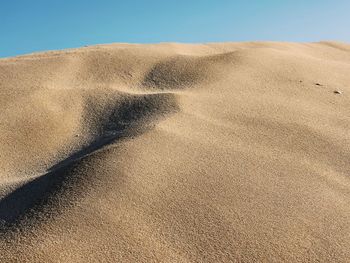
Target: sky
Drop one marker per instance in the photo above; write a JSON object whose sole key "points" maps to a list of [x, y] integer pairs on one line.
{"points": [[28, 26]]}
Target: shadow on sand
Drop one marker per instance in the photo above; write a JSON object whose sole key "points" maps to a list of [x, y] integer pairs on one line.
{"points": [[27, 204]]}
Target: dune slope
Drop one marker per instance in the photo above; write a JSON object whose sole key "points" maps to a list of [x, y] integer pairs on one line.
{"points": [[227, 152]]}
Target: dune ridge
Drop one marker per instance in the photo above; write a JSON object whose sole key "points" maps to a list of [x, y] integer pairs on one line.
{"points": [[223, 152]]}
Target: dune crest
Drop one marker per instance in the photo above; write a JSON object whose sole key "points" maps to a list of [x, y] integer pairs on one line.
{"points": [[223, 152]]}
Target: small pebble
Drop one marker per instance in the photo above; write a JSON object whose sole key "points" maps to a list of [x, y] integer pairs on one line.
{"points": [[318, 84], [337, 92]]}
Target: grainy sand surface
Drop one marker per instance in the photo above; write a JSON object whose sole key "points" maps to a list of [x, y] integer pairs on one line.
{"points": [[232, 152]]}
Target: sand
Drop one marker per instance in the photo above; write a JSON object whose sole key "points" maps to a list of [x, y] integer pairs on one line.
{"points": [[232, 152]]}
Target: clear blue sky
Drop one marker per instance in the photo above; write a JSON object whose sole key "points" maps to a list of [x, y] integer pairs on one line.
{"points": [[36, 25]]}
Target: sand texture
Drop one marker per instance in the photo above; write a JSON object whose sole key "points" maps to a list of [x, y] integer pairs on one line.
{"points": [[232, 152]]}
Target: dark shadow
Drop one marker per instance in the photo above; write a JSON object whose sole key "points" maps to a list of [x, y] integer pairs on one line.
{"points": [[26, 205]]}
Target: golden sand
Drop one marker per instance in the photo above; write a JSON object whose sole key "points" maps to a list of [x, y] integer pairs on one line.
{"points": [[232, 152]]}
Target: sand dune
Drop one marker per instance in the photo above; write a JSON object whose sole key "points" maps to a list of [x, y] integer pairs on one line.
{"points": [[228, 152]]}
